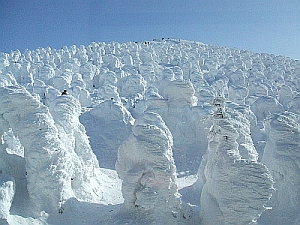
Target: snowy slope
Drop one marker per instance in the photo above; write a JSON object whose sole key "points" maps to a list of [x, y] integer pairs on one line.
{"points": [[157, 132]]}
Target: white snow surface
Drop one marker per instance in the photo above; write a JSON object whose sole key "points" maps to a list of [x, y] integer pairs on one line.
{"points": [[155, 132]]}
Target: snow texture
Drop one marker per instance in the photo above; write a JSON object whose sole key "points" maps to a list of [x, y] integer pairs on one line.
{"points": [[7, 191], [237, 186], [146, 166], [59, 160], [48, 180], [281, 154], [198, 134]]}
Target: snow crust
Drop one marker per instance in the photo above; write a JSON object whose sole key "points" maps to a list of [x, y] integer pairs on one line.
{"points": [[154, 132]]}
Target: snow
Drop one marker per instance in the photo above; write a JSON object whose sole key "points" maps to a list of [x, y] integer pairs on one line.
{"points": [[236, 186], [281, 152], [146, 166], [7, 192], [155, 132]]}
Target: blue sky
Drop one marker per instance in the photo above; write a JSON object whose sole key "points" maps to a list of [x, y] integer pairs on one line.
{"points": [[270, 26]]}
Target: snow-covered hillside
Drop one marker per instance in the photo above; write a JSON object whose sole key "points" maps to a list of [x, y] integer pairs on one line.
{"points": [[157, 132]]}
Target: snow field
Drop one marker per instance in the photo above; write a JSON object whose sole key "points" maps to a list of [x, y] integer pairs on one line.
{"points": [[154, 109]]}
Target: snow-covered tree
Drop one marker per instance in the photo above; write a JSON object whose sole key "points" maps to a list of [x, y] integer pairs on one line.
{"points": [[146, 166], [236, 188], [281, 157]]}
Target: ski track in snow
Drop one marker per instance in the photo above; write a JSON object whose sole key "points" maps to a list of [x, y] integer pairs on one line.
{"points": [[186, 133]]}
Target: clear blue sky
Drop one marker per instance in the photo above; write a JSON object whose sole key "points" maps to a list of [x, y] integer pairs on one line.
{"points": [[270, 26]]}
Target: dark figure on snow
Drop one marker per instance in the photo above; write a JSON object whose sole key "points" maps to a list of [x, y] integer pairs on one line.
{"points": [[64, 92]]}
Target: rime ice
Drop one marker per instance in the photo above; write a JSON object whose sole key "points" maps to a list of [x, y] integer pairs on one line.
{"points": [[199, 134]]}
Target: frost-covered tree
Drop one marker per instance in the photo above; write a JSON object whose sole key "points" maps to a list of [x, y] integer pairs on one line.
{"points": [[281, 156], [146, 166], [236, 186], [48, 173], [59, 161]]}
